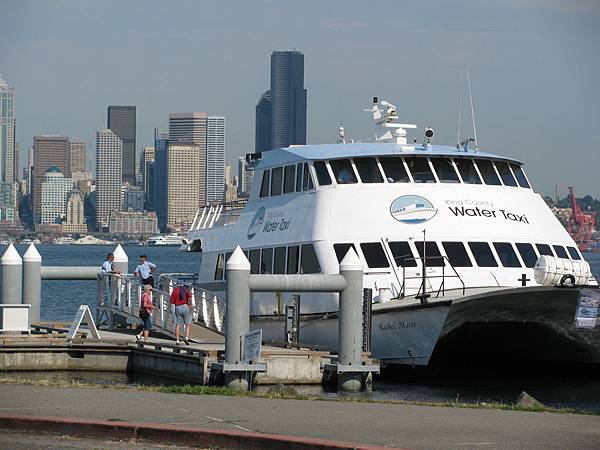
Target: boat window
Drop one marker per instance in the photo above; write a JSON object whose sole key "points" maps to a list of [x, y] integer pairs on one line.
{"points": [[308, 259], [420, 170], [299, 177], [483, 254], [402, 254], [527, 253], [394, 170], [507, 255], [467, 171], [505, 174], [341, 250], [264, 187], [433, 257], [266, 260], [445, 170], [254, 258], [276, 180], [457, 255], [307, 181], [560, 251], [342, 171], [489, 175], [220, 267], [292, 259], [574, 253], [368, 170], [289, 179], [374, 255], [544, 249], [322, 174], [520, 175], [279, 265]]}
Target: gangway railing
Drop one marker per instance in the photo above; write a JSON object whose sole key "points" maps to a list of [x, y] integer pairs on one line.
{"points": [[225, 213], [427, 277]]}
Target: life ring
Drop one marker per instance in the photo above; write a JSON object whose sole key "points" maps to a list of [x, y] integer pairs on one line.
{"points": [[566, 277]]}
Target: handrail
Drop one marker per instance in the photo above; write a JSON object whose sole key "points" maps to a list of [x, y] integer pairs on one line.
{"points": [[442, 287]]}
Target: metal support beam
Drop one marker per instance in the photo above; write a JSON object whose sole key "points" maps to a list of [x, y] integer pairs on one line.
{"points": [[69, 273]]}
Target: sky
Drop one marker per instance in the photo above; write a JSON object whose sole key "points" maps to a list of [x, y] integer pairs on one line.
{"points": [[533, 65]]}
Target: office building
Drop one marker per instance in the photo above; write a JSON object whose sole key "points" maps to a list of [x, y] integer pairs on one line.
{"points": [[147, 166], [9, 201], [160, 176], [184, 190], [121, 120], [77, 155], [55, 189], [75, 218], [288, 99], [215, 159], [244, 177], [132, 222], [133, 198], [262, 132], [48, 151], [8, 160], [109, 166]]}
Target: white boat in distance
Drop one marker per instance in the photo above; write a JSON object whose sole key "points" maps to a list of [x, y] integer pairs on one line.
{"points": [[449, 238], [165, 239], [91, 240]]}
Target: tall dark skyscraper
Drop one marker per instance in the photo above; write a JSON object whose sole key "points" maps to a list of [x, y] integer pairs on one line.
{"points": [[262, 136], [288, 99], [160, 176], [121, 120]]}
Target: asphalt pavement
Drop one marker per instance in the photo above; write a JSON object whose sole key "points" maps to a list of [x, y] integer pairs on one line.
{"points": [[396, 425]]}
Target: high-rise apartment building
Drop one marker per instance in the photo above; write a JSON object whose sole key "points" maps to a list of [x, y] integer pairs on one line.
{"points": [[262, 132], [215, 159], [184, 190], [8, 161], [109, 166], [55, 189], [147, 166], [160, 178], [288, 99], [121, 120], [75, 218], [77, 155], [244, 177], [48, 151], [9, 201]]}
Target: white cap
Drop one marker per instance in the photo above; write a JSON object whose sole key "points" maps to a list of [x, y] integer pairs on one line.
{"points": [[120, 255], [238, 260], [11, 257], [32, 255], [351, 261]]}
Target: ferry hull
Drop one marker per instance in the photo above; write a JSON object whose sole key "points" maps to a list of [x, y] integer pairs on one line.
{"points": [[522, 324]]}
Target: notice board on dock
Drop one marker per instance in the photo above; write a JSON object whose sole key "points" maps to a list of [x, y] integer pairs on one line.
{"points": [[251, 346], [83, 314], [586, 315]]}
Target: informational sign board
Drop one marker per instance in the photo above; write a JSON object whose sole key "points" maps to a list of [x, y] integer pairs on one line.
{"points": [[14, 317], [83, 315], [586, 315], [251, 344]]}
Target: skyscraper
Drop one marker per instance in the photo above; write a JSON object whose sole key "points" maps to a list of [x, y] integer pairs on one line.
{"points": [[75, 219], [215, 159], [244, 177], [7, 133], [288, 99], [109, 166], [78, 155], [48, 151], [55, 189], [160, 178], [147, 166], [121, 120], [262, 136], [184, 184]]}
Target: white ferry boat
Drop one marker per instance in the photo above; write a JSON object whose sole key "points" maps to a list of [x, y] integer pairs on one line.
{"points": [[165, 239], [449, 237]]}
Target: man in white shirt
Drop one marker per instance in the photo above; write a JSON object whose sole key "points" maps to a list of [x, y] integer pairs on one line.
{"points": [[144, 271]]}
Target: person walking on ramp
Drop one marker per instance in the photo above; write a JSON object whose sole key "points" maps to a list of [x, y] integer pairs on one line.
{"points": [[182, 299], [146, 309]]}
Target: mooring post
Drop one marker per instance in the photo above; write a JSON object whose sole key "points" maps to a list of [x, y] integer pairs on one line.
{"points": [[10, 272], [121, 261], [237, 315], [32, 281], [350, 322]]}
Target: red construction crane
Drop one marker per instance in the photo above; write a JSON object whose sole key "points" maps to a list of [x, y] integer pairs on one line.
{"points": [[581, 224]]}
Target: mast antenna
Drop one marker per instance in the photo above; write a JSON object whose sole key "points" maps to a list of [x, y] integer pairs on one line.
{"points": [[472, 111], [460, 91]]}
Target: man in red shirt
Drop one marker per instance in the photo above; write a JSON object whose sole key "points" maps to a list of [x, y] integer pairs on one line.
{"points": [[182, 299]]}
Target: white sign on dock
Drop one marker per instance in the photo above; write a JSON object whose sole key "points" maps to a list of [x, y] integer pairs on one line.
{"points": [[588, 306], [251, 344], [83, 314]]}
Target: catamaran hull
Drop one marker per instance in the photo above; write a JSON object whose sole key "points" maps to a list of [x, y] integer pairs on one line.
{"points": [[531, 324]]}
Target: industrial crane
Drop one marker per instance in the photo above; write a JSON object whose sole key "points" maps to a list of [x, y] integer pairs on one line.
{"points": [[581, 224]]}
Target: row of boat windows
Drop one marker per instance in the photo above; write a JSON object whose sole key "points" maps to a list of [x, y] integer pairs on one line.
{"points": [[279, 260], [456, 253], [392, 169]]}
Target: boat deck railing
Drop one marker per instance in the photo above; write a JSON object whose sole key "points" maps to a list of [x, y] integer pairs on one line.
{"points": [[218, 213], [422, 292]]}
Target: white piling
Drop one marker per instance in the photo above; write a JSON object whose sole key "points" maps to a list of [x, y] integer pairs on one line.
{"points": [[32, 281], [121, 261], [11, 273]]}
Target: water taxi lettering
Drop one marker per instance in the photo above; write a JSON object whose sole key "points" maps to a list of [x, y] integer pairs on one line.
{"points": [[275, 225], [481, 212]]}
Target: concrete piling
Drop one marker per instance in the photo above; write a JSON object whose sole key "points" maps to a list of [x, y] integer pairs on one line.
{"points": [[121, 261], [350, 321], [11, 273], [32, 281], [237, 315]]}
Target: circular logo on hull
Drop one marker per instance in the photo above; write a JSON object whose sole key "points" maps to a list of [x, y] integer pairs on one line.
{"points": [[257, 222], [412, 209]]}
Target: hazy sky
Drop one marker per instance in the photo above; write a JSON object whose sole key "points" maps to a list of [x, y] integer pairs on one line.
{"points": [[534, 65]]}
